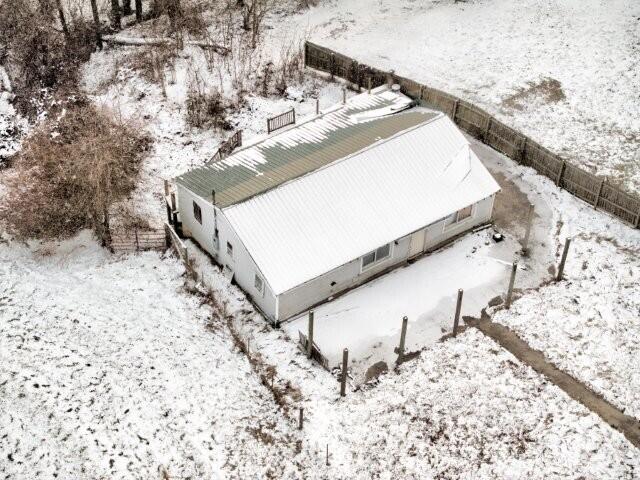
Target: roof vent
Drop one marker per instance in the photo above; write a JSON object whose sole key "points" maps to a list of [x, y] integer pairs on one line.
{"points": [[395, 87]]}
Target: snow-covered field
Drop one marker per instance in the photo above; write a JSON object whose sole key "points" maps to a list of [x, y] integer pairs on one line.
{"points": [[565, 73], [110, 369]]}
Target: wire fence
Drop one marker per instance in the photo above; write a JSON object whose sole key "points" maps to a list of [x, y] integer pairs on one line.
{"points": [[483, 126]]}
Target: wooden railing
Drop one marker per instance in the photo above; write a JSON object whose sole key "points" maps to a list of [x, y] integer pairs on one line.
{"points": [[138, 239], [282, 120], [228, 146], [517, 146]]}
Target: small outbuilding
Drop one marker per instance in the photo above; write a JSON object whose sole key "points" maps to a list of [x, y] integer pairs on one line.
{"points": [[320, 207]]}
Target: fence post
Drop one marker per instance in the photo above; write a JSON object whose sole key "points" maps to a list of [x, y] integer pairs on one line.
{"points": [[301, 419], [512, 280], [310, 335], [561, 172], [332, 66], [487, 127], [327, 454], [137, 242], [343, 379], [595, 204], [527, 233], [390, 78], [421, 91], [317, 106], [523, 150], [456, 319], [455, 110], [403, 337], [369, 84], [344, 95], [637, 222], [563, 259]]}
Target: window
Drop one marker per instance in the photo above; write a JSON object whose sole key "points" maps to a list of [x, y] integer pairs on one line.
{"points": [[376, 256], [197, 213], [464, 213], [229, 249], [258, 283], [459, 216]]}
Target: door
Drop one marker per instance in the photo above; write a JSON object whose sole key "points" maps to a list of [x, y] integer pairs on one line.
{"points": [[416, 245]]}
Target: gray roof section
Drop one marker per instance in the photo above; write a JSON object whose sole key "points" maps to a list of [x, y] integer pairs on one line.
{"points": [[365, 120]]}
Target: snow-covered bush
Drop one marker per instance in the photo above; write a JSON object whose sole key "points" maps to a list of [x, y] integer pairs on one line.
{"points": [[69, 172]]}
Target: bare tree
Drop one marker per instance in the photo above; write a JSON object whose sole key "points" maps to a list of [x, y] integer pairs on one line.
{"points": [[115, 15], [63, 21], [138, 11], [96, 22], [253, 13], [126, 7]]}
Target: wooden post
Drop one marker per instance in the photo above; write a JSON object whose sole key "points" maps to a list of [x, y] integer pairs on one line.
{"points": [[455, 110], [317, 106], [332, 66], [327, 454], [301, 419], [523, 150], [344, 95], [563, 259], [403, 337], [595, 204], [310, 335], [293, 110], [137, 242], [512, 280], [421, 92], [637, 222], [369, 84], [390, 78], [487, 127], [343, 379], [560, 173], [527, 233], [456, 319]]}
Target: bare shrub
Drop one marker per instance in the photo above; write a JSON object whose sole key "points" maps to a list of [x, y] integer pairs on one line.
{"points": [[68, 174], [39, 54], [205, 106]]}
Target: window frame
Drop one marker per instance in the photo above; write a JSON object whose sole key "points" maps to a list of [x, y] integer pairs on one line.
{"points": [[260, 289], [376, 259], [197, 212], [457, 220]]}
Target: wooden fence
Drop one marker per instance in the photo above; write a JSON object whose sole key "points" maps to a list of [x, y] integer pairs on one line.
{"points": [[281, 121], [138, 239], [228, 146], [478, 123]]}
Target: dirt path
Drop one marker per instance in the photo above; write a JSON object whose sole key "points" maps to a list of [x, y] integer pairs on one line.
{"points": [[629, 426]]}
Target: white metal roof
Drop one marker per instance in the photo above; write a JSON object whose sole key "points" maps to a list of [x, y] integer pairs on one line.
{"points": [[326, 218]]}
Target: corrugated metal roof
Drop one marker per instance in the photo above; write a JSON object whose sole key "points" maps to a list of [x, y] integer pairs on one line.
{"points": [[322, 220], [364, 120]]}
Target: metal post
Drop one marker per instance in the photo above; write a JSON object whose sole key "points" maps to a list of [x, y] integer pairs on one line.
{"points": [[456, 319], [310, 335], [403, 336], [527, 233], [301, 419], [343, 379], [512, 280], [317, 106], [563, 259]]}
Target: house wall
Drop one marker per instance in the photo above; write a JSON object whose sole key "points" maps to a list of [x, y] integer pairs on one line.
{"points": [[241, 262], [349, 275]]}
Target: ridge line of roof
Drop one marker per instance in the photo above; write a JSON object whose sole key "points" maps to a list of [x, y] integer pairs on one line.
{"points": [[438, 116]]}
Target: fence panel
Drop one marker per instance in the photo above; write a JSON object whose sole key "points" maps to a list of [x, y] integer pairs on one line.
{"points": [[138, 240], [483, 126], [281, 121]]}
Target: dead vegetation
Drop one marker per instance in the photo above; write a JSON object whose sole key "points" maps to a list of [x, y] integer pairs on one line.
{"points": [[548, 90], [69, 173]]}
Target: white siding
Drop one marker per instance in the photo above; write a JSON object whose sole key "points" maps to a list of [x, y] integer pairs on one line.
{"points": [[300, 298], [242, 264]]}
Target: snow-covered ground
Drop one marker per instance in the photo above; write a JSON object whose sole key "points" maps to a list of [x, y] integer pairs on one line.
{"points": [[367, 320], [565, 73], [110, 369]]}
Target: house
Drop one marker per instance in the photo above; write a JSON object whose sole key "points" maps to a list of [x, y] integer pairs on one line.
{"points": [[320, 207]]}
